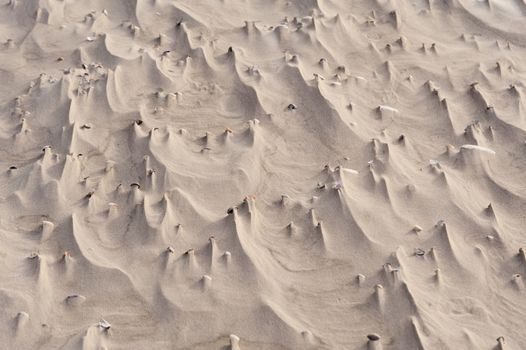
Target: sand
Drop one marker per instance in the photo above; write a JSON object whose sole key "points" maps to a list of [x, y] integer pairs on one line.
{"points": [[263, 174]]}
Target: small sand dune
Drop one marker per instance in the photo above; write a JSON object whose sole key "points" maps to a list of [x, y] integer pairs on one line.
{"points": [[263, 174]]}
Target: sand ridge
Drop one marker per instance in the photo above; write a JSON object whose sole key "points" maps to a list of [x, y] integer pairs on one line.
{"points": [[228, 174]]}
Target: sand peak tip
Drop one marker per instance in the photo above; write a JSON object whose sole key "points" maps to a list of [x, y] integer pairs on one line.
{"points": [[234, 342]]}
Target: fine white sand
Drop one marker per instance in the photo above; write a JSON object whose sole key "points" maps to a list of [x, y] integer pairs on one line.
{"points": [[262, 174]]}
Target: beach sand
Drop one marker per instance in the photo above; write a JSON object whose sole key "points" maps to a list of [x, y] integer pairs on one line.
{"points": [[262, 174]]}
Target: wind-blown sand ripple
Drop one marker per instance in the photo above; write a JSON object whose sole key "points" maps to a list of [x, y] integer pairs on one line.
{"points": [[321, 174]]}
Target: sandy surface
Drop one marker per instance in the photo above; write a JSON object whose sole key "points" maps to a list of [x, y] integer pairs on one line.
{"points": [[263, 174]]}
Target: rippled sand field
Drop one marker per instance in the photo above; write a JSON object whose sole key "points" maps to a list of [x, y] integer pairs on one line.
{"points": [[262, 174]]}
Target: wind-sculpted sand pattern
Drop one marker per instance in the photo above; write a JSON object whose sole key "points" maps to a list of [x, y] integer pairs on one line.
{"points": [[263, 174]]}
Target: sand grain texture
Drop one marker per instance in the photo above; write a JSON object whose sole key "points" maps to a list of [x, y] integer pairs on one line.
{"points": [[263, 174]]}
